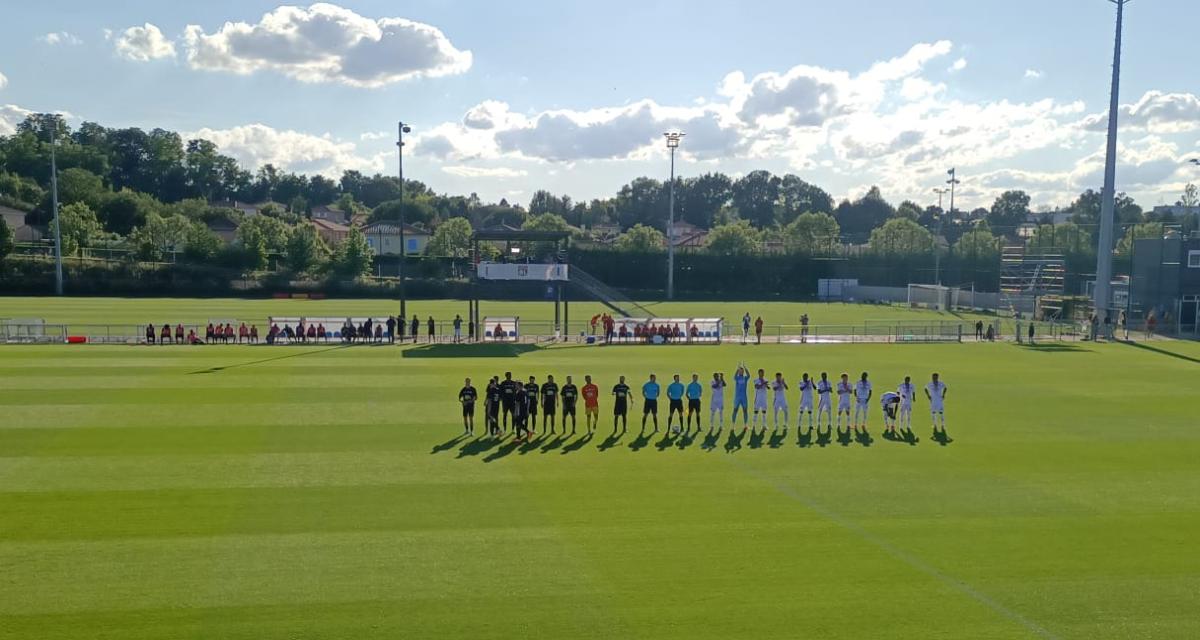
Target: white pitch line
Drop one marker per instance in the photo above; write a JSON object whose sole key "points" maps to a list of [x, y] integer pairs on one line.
{"points": [[899, 554]]}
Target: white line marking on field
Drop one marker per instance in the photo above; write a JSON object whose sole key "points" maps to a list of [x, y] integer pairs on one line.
{"points": [[898, 553]]}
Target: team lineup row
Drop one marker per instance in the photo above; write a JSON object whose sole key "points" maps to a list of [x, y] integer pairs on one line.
{"points": [[510, 400]]}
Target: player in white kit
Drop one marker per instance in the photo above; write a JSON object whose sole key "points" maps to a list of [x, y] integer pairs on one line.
{"points": [[935, 391], [825, 403], [908, 395], [760, 399], [806, 402], [779, 386], [844, 391], [862, 395], [889, 402], [716, 403]]}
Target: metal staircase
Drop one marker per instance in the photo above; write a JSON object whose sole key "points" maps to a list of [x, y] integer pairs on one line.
{"points": [[1041, 276], [608, 296]]}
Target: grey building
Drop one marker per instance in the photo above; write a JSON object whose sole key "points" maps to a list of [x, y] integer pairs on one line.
{"points": [[1166, 280]]}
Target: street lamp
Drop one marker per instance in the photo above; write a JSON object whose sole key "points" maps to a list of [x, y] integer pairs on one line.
{"points": [[673, 139], [940, 192], [58, 267], [401, 129]]}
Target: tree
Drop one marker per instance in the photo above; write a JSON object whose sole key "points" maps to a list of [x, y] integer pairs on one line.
{"points": [[125, 210], [699, 199], [641, 239], [202, 244], [416, 211], [80, 185], [797, 196], [911, 210], [1138, 232], [1068, 238], [79, 227], [978, 245], [321, 191], [6, 239], [306, 251], [270, 233], [754, 197], [737, 239], [160, 235], [643, 201], [545, 202], [860, 217], [901, 237], [1009, 211], [451, 239], [811, 233], [353, 256], [1190, 197]]}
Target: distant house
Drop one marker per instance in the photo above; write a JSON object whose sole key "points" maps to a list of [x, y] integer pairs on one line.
{"points": [[685, 235], [331, 232], [15, 219], [224, 228], [384, 238], [245, 208], [329, 213]]}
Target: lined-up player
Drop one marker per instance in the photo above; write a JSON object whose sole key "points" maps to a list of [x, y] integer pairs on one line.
{"points": [[491, 406], [806, 402], [716, 402], [779, 388], [889, 402], [760, 398], [569, 394], [862, 396], [825, 403], [844, 391], [549, 404], [741, 396], [591, 404], [908, 395], [935, 391], [694, 392], [675, 392], [620, 393], [467, 396]]}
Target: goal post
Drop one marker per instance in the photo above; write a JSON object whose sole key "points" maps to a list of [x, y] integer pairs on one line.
{"points": [[933, 296]]}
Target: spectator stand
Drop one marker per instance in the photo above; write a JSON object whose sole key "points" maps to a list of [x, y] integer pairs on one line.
{"points": [[502, 329], [649, 330], [333, 328]]}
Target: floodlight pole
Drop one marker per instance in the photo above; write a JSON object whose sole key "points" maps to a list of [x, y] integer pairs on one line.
{"points": [[401, 129], [58, 266], [1104, 256], [673, 138], [937, 254]]}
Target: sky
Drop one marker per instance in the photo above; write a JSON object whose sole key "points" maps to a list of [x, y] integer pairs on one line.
{"points": [[507, 98]]}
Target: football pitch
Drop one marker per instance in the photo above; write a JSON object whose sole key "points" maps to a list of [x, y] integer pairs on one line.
{"points": [[324, 492]]}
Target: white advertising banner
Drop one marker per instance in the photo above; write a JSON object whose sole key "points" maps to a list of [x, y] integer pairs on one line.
{"points": [[529, 272]]}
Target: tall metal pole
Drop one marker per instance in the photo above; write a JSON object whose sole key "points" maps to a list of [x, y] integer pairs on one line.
{"points": [[937, 249], [671, 233], [673, 138], [401, 129], [1103, 293], [58, 266]]}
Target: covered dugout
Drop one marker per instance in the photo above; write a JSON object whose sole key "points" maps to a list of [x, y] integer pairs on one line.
{"points": [[650, 330], [501, 329]]}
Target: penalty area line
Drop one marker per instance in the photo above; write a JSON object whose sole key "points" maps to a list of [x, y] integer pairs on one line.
{"points": [[896, 552]]}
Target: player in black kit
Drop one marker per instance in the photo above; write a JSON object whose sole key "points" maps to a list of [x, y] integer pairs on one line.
{"points": [[467, 396], [569, 393], [549, 403]]}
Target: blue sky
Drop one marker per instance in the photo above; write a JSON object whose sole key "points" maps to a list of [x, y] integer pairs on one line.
{"points": [[505, 98]]}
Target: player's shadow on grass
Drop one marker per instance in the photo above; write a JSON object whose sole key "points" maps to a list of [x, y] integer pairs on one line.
{"points": [[711, 440], [1053, 347], [824, 438], [503, 451], [554, 444], [942, 438], [472, 350], [447, 445], [666, 442], [688, 438], [640, 442], [531, 444], [864, 438], [804, 438], [757, 438], [1160, 351], [611, 441], [478, 446], [298, 354], [734, 441], [844, 438], [777, 439], [578, 444]]}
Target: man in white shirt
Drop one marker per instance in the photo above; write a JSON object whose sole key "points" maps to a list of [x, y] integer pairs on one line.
{"points": [[908, 394], [844, 391], [862, 395], [825, 404], [716, 403], [935, 391], [806, 402], [890, 404], [760, 398], [780, 387]]}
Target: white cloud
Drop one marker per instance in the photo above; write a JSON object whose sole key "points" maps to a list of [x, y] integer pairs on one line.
{"points": [[10, 116], [144, 43], [1156, 112], [3, 81], [375, 135], [1033, 74], [257, 144], [958, 65], [60, 37], [327, 43], [464, 171]]}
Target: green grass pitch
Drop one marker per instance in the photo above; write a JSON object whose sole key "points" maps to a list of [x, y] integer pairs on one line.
{"points": [[318, 492]]}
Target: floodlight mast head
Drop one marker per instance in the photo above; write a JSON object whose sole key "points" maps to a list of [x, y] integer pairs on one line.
{"points": [[673, 138]]}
